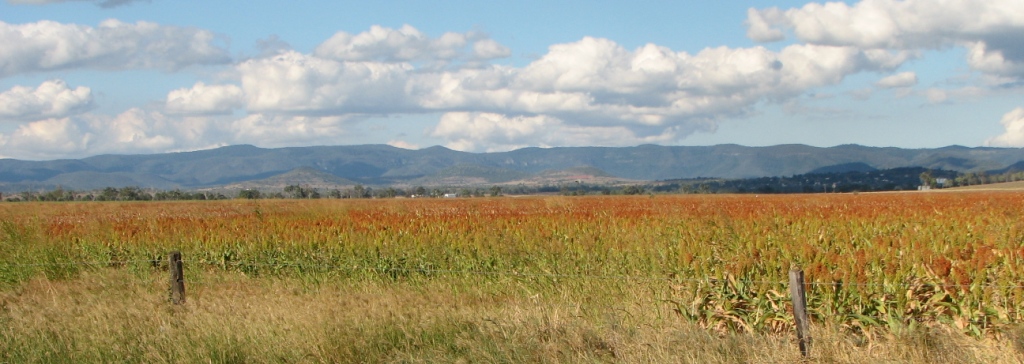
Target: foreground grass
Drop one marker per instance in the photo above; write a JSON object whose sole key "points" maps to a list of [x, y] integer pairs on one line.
{"points": [[116, 315], [909, 278]]}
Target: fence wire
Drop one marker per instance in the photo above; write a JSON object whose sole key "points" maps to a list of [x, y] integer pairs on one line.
{"points": [[338, 267], [199, 281], [109, 263]]}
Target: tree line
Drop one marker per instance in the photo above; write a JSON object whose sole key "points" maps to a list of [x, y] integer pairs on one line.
{"points": [[114, 194], [896, 179]]}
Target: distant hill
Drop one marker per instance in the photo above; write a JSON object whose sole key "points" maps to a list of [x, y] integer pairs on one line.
{"points": [[895, 179], [844, 168], [470, 174], [302, 176], [382, 165], [1013, 168]]}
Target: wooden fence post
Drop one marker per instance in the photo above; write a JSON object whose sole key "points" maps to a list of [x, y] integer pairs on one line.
{"points": [[177, 278], [796, 291]]}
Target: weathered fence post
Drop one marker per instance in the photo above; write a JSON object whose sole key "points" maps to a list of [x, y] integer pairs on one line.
{"points": [[177, 278], [796, 291]]}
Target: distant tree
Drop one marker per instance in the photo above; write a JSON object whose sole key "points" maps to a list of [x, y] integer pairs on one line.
{"points": [[292, 191], [633, 190], [108, 194], [58, 194], [131, 193], [927, 179], [249, 194], [296, 191], [495, 191]]}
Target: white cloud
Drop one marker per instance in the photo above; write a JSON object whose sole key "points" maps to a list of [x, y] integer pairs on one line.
{"points": [[141, 131], [492, 132], [46, 139], [981, 56], [989, 29], [899, 80], [485, 49], [575, 66], [137, 130], [205, 99], [52, 99], [939, 95], [1013, 122], [133, 131], [936, 95], [297, 83], [113, 45], [589, 92], [651, 91], [403, 144], [283, 130], [761, 25], [407, 44]]}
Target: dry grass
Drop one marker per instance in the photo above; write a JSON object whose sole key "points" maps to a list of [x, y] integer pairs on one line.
{"points": [[113, 315], [1005, 186], [922, 278]]}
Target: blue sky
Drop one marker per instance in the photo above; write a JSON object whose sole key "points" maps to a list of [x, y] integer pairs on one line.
{"points": [[87, 77]]}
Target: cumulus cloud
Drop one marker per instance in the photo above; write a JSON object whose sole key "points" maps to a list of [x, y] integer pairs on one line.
{"points": [[651, 91], [407, 44], [288, 130], [133, 131], [589, 92], [485, 49], [46, 139], [403, 144], [52, 99], [762, 25], [899, 80], [1013, 123], [988, 29], [272, 46], [490, 132], [997, 62], [205, 99], [113, 45], [939, 95], [298, 83]]}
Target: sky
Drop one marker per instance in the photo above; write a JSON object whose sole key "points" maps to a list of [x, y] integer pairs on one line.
{"points": [[87, 77]]}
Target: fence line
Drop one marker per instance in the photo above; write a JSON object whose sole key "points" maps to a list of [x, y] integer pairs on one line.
{"points": [[796, 285], [705, 279], [96, 263]]}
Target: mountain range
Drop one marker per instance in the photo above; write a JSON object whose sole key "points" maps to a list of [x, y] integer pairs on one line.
{"points": [[246, 166]]}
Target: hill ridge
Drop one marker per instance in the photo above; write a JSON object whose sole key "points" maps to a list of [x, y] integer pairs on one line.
{"points": [[381, 165]]}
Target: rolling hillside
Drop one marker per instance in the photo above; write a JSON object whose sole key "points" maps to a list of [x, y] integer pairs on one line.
{"points": [[382, 165]]}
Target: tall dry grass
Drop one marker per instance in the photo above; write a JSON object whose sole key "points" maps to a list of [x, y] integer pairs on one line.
{"points": [[111, 315], [905, 278]]}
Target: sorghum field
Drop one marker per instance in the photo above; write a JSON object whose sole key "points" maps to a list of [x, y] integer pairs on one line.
{"points": [[897, 277]]}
